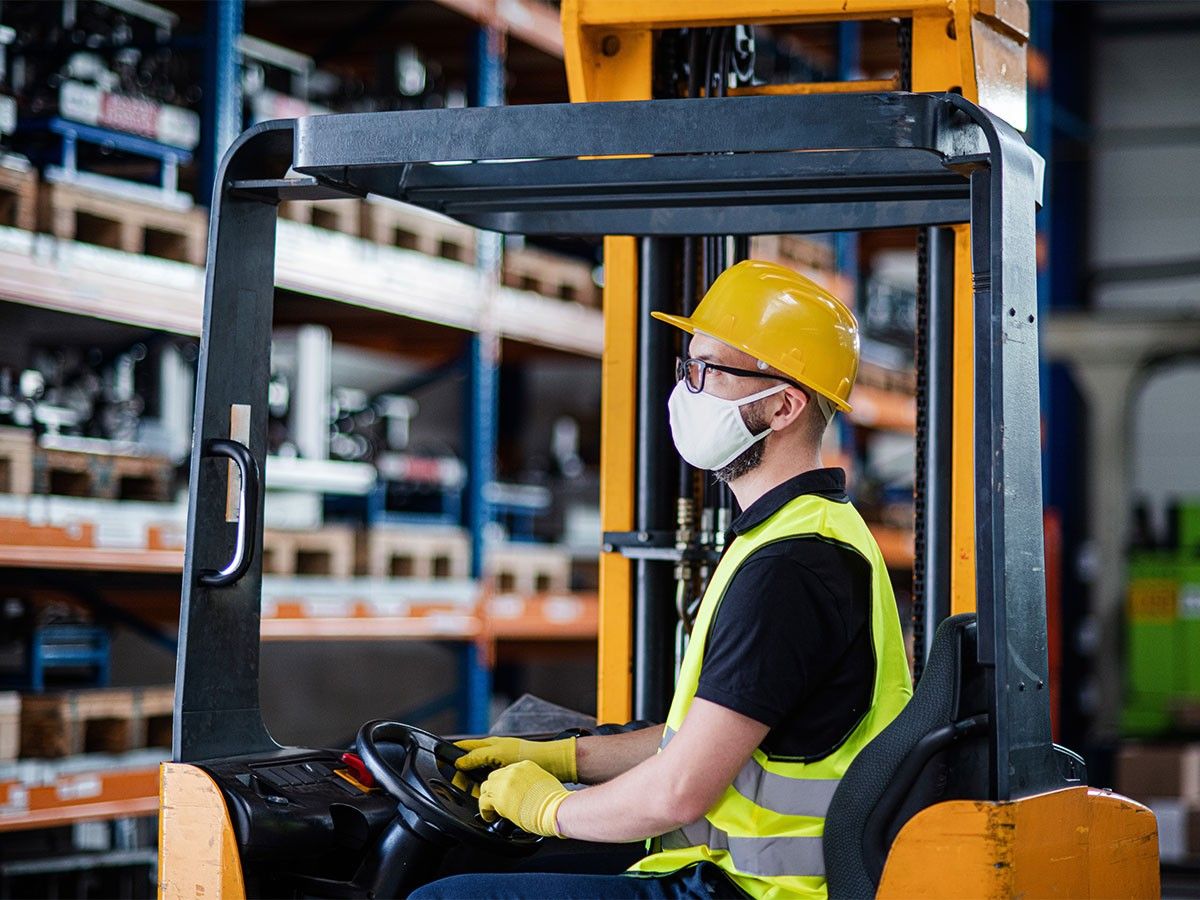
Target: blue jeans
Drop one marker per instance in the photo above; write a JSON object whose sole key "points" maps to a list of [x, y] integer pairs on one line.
{"points": [[699, 882]]}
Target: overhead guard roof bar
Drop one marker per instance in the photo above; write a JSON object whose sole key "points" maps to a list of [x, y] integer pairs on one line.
{"points": [[705, 167], [736, 161]]}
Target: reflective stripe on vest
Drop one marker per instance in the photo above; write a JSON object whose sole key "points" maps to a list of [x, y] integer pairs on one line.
{"points": [[778, 793], [768, 857], [765, 832]]}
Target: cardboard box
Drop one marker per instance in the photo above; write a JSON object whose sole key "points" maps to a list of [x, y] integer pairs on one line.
{"points": [[1151, 771], [10, 725]]}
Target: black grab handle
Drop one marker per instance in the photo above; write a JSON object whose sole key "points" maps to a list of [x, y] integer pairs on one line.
{"points": [[243, 552]]}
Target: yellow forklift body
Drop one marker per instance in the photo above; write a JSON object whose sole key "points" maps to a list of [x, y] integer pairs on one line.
{"points": [[197, 847], [1074, 842], [1077, 842]]}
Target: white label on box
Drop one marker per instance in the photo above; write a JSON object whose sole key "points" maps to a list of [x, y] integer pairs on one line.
{"points": [[391, 606], [120, 531], [178, 127], [13, 507], [172, 535], [1189, 601], [326, 609], [82, 787], [17, 802], [39, 511], [563, 609], [507, 606], [80, 102], [8, 115]]}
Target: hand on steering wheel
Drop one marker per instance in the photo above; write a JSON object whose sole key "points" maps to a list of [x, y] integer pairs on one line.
{"points": [[417, 768], [556, 757], [526, 794]]}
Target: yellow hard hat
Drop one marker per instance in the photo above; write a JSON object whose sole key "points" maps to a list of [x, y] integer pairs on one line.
{"points": [[784, 319]]}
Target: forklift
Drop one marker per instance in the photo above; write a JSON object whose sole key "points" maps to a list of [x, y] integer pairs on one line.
{"points": [[966, 793]]}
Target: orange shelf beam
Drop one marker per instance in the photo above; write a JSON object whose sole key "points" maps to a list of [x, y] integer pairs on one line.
{"points": [[79, 797], [549, 617], [878, 408], [90, 559]]}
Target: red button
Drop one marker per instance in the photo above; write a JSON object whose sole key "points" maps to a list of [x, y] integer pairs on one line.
{"points": [[358, 769]]}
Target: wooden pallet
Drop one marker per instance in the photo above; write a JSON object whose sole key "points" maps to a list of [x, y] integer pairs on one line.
{"points": [[397, 225], [154, 711], [551, 275], [326, 551], [75, 473], [527, 568], [793, 250], [332, 215], [16, 461], [875, 376], [400, 551], [76, 213], [102, 720], [18, 197]]}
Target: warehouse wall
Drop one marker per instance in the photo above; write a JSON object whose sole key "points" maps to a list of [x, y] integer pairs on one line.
{"points": [[1145, 211], [1166, 437], [1145, 153]]}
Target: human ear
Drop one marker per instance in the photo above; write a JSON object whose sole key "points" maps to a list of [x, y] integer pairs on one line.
{"points": [[795, 401]]}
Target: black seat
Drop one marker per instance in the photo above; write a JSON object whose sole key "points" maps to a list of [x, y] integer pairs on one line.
{"points": [[936, 749]]}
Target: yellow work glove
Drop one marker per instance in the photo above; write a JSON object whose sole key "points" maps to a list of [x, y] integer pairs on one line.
{"points": [[556, 757], [466, 784], [525, 794]]}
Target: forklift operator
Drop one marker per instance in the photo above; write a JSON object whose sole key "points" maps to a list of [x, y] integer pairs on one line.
{"points": [[796, 659]]}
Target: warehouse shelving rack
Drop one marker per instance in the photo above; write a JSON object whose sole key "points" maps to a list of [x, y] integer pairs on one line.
{"points": [[150, 293], [164, 295]]}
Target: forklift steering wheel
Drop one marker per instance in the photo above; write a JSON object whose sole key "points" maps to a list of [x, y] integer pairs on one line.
{"points": [[417, 768]]}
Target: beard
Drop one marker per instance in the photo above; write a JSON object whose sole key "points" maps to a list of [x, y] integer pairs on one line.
{"points": [[750, 458]]}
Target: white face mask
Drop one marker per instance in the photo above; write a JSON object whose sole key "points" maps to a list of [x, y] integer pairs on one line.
{"points": [[708, 431]]}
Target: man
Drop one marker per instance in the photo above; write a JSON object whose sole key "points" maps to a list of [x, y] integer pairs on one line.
{"points": [[796, 659]]}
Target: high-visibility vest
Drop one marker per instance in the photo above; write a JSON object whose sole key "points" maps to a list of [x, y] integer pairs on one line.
{"points": [[765, 831]]}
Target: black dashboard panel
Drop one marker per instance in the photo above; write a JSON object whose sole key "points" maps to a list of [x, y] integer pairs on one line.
{"points": [[303, 807]]}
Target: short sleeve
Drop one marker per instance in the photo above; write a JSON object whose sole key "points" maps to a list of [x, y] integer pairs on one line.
{"points": [[776, 635]]}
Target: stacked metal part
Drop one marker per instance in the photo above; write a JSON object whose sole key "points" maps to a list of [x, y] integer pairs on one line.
{"points": [[138, 395], [107, 66]]}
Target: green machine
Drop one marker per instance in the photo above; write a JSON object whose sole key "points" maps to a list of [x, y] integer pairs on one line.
{"points": [[1162, 625]]}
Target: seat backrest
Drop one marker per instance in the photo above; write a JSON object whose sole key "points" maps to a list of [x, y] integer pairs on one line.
{"points": [[936, 749]]}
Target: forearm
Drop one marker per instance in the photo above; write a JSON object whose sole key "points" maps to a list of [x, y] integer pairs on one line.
{"points": [[643, 802], [603, 757], [668, 789]]}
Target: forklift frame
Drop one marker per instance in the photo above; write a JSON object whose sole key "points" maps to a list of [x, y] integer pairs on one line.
{"points": [[747, 165]]}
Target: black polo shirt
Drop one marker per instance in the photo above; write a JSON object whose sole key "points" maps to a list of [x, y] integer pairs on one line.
{"points": [[790, 644]]}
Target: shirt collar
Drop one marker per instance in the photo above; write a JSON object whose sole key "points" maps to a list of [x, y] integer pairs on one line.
{"points": [[830, 483]]}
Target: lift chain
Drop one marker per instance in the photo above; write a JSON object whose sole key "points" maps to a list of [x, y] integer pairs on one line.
{"points": [[920, 577], [921, 365]]}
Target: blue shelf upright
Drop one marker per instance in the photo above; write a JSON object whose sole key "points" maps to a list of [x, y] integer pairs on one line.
{"points": [[482, 390], [221, 120]]}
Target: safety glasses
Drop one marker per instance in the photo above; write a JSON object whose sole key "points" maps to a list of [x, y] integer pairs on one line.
{"points": [[693, 372]]}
